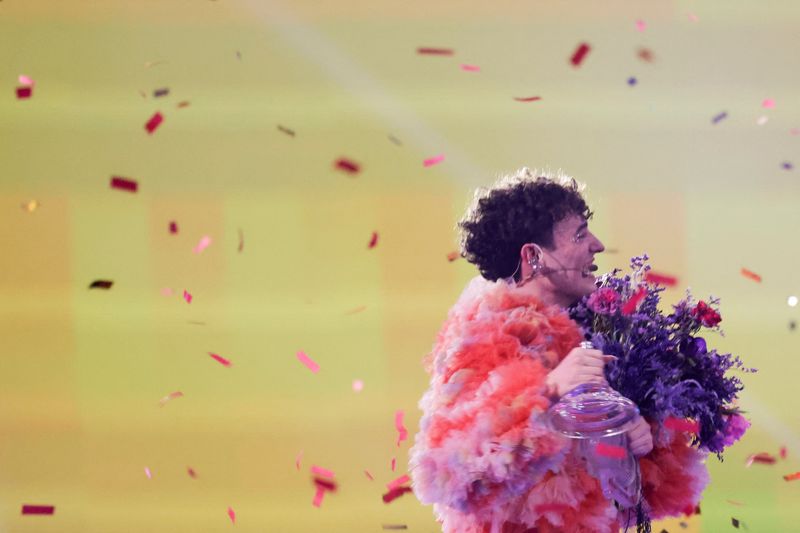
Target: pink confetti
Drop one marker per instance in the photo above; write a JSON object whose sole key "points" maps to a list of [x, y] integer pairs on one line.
{"points": [[470, 68], [324, 472], [783, 452], [298, 459], [640, 25], [609, 450], [366, 472], [205, 242], [232, 515], [173, 227], [358, 385], [433, 161], [452, 256], [768, 103], [692, 17], [147, 473], [395, 493], [318, 497], [166, 291], [346, 165], [38, 509], [191, 472], [306, 360], [373, 241], [402, 480], [682, 425], [394, 464], [187, 296], [124, 184], [25, 80], [402, 432], [170, 396], [221, 360], [154, 122], [527, 98], [580, 54], [24, 92], [794, 131]]}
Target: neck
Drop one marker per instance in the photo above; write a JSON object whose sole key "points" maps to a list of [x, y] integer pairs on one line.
{"points": [[543, 290]]}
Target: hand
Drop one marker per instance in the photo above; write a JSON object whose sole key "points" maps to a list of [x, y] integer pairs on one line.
{"points": [[578, 367], [640, 440]]}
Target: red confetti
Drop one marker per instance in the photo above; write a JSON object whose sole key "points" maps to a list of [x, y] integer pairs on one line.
{"points": [[395, 493], [346, 165], [394, 526], [580, 54], [373, 240], [125, 184], [369, 475], [24, 92], [394, 464], [38, 509], [609, 450], [220, 359], [792, 477], [452, 256], [154, 122], [471, 68], [783, 453], [191, 472], [185, 103], [402, 480], [356, 310], [173, 227], [682, 424], [751, 275], [168, 397], [762, 458], [435, 51], [325, 484], [232, 515], [661, 279], [101, 284], [633, 302], [402, 432], [527, 98], [734, 502], [645, 54]]}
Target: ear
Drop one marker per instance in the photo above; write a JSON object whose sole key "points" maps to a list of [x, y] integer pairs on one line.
{"points": [[530, 251]]}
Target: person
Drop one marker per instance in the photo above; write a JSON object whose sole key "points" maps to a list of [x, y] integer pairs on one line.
{"points": [[483, 455]]}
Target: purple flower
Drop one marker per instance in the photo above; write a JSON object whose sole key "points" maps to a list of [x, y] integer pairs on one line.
{"points": [[735, 427], [604, 301]]}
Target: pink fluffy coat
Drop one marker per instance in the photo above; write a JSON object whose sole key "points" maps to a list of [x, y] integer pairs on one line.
{"points": [[484, 458]]}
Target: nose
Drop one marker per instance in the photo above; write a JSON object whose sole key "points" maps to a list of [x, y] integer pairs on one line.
{"points": [[597, 246]]}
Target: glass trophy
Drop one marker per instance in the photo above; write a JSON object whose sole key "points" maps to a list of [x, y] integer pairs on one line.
{"points": [[598, 417]]}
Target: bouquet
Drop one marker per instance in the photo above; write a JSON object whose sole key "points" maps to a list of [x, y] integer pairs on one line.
{"points": [[664, 364]]}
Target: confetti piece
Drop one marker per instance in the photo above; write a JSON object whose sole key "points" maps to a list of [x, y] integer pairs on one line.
{"points": [[191, 472], [782, 453], [38, 509], [324, 472], [221, 360], [641, 25], [470, 68], [149, 64], [692, 17], [394, 526], [168, 397], [366, 472], [768, 103], [306, 360], [241, 241], [735, 523], [792, 477], [238, 55], [232, 515], [794, 131], [31, 206], [395, 140], [358, 385], [187, 296], [580, 54], [682, 424], [452, 256], [609, 450], [318, 497], [173, 227], [660, 279], [158, 93], [285, 130], [147, 473], [630, 306], [325, 484], [345, 165], [184, 103], [166, 291], [101, 284], [435, 160], [125, 184], [632, 81], [717, 118], [205, 242], [645, 54], [527, 98], [402, 480], [154, 122], [435, 51], [395, 493], [762, 458], [373, 241], [394, 464], [402, 432], [355, 310], [787, 165], [751, 275], [25, 80], [298, 459], [734, 502], [24, 93]]}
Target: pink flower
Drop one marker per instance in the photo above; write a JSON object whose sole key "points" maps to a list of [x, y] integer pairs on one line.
{"points": [[705, 315], [604, 301], [735, 427]]}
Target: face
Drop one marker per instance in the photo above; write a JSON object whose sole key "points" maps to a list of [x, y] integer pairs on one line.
{"points": [[570, 262]]}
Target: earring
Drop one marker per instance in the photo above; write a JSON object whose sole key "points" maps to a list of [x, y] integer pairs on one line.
{"points": [[536, 266]]}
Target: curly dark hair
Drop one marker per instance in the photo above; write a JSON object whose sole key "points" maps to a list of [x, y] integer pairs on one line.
{"points": [[518, 209]]}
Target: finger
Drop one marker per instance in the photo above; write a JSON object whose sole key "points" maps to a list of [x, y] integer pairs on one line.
{"points": [[609, 358]]}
